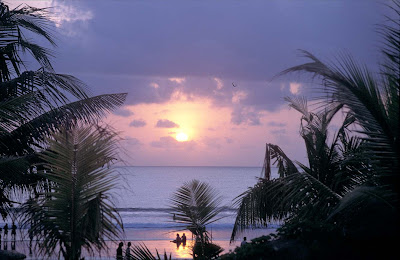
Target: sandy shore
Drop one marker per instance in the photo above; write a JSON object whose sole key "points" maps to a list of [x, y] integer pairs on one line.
{"points": [[152, 238]]}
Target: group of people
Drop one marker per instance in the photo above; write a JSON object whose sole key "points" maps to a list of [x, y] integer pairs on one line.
{"points": [[5, 238], [128, 255], [180, 240]]}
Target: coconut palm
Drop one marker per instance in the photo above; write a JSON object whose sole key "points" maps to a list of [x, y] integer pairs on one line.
{"points": [[34, 103], [373, 101], [195, 205], [310, 192], [77, 211], [371, 161]]}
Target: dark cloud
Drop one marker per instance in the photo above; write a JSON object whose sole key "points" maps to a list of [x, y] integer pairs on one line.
{"points": [[165, 123], [226, 39], [239, 42], [138, 123], [131, 141], [123, 112]]}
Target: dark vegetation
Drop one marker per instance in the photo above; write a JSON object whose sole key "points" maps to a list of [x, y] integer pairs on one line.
{"points": [[46, 120], [345, 203]]}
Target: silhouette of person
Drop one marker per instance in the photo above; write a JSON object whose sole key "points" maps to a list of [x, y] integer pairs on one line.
{"points": [[128, 255], [6, 231], [5, 236], [178, 240], [30, 241], [119, 251], [184, 239], [244, 242], [13, 231], [1, 230]]}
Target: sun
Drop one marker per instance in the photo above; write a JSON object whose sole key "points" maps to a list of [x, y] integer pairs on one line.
{"points": [[181, 137]]}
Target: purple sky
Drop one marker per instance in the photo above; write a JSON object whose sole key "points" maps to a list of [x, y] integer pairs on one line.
{"points": [[205, 68]]}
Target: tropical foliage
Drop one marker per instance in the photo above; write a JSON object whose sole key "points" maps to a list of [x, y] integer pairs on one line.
{"points": [[142, 252], [354, 180], [34, 103], [313, 192], [195, 205], [77, 210]]}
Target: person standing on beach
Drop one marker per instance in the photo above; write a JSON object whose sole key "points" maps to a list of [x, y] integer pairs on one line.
{"points": [[6, 232], [184, 239], [13, 231], [119, 251], [128, 255], [5, 236], [244, 242], [178, 240]]}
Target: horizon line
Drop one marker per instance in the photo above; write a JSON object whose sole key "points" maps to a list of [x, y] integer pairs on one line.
{"points": [[236, 166]]}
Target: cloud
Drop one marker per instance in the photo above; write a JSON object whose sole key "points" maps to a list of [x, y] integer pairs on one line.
{"points": [[219, 82], [123, 112], [277, 124], [229, 140], [66, 16], [131, 141], [168, 142], [165, 123], [278, 131], [138, 123], [294, 87], [177, 80], [244, 115], [238, 96], [212, 142], [154, 85]]}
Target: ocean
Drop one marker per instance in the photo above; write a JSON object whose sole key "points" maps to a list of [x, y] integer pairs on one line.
{"points": [[142, 197], [144, 192]]}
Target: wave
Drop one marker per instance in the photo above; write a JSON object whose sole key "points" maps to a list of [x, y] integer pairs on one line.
{"points": [[214, 226], [166, 210]]}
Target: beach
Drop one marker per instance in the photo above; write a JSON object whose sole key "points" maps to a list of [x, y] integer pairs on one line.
{"points": [[139, 236]]}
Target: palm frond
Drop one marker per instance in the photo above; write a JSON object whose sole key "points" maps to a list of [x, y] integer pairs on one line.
{"points": [[356, 88], [195, 205], [78, 211], [284, 164], [87, 110]]}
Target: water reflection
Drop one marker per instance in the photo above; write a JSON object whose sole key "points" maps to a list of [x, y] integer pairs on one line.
{"points": [[184, 251]]}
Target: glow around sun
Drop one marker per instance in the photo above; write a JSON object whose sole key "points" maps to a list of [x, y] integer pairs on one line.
{"points": [[181, 137]]}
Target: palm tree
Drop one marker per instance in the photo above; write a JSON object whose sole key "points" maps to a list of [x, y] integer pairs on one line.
{"points": [[76, 211], [35, 103], [373, 101], [370, 192], [308, 194], [195, 205]]}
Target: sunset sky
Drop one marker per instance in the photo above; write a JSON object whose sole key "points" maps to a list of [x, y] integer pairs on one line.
{"points": [[205, 69]]}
